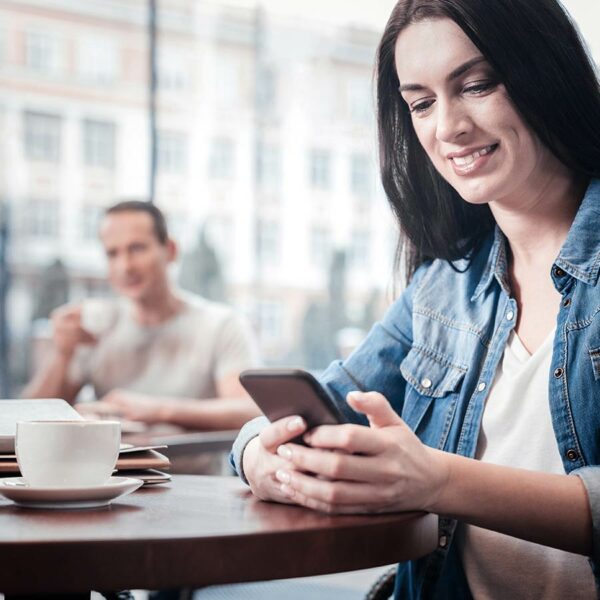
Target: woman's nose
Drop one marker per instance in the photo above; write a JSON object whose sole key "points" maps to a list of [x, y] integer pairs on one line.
{"points": [[452, 121]]}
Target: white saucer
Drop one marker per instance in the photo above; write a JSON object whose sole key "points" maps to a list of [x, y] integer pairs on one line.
{"points": [[17, 490]]}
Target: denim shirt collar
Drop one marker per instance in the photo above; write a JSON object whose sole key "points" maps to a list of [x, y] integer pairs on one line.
{"points": [[496, 266], [579, 255]]}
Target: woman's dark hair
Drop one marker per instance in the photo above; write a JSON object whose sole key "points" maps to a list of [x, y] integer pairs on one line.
{"points": [[540, 58], [159, 223]]}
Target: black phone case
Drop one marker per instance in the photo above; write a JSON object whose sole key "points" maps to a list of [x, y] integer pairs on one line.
{"points": [[283, 392]]}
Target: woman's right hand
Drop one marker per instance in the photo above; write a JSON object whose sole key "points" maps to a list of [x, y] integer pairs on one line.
{"points": [[261, 461]]}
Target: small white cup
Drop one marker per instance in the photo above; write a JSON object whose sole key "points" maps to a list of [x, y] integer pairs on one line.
{"points": [[62, 454], [98, 315]]}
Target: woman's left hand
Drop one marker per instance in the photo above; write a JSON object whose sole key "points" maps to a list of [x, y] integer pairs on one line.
{"points": [[356, 469]]}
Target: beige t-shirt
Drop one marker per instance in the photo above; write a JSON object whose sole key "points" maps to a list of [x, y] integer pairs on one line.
{"points": [[516, 430], [182, 357]]}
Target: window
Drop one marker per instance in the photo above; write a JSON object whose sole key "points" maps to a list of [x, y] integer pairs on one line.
{"points": [[220, 234], [360, 244], [265, 89], [99, 143], [221, 162], [320, 167], [40, 218], [320, 246], [42, 52], [98, 60], [268, 166], [173, 72], [177, 223], [90, 221], [3, 46], [360, 175], [228, 77], [171, 152], [42, 137], [267, 242], [360, 104], [270, 321]]}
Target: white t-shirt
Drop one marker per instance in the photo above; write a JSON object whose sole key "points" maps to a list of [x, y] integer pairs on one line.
{"points": [[182, 357], [516, 431]]}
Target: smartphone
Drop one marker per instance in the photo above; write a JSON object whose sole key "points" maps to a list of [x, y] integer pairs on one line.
{"points": [[283, 392]]}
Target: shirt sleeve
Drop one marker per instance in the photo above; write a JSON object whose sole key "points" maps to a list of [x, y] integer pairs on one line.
{"points": [[235, 348], [373, 366], [247, 433], [591, 480]]}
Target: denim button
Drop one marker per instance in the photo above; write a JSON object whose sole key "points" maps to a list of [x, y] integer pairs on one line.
{"points": [[558, 272], [566, 302], [572, 455], [558, 372], [481, 386], [443, 541], [426, 383], [509, 315]]}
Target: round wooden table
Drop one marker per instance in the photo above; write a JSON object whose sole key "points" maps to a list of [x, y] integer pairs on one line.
{"points": [[194, 532]]}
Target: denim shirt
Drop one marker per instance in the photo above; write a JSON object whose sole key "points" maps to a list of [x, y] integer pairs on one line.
{"points": [[434, 356]]}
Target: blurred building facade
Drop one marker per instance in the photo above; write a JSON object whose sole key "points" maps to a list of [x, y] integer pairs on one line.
{"points": [[266, 147]]}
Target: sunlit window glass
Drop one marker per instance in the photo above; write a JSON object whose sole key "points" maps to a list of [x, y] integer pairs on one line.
{"points": [[99, 143], [42, 136], [361, 182], [268, 166], [320, 246], [39, 218], [268, 240], [98, 59], [43, 51], [90, 221], [360, 250], [174, 71], [172, 152], [320, 169], [222, 157]]}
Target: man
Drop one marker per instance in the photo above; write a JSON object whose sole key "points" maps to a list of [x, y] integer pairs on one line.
{"points": [[154, 354]]}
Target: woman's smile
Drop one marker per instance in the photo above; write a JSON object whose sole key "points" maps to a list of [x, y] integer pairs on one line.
{"points": [[467, 162]]}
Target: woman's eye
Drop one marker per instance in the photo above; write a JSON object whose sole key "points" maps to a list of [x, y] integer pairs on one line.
{"points": [[420, 107], [479, 88]]}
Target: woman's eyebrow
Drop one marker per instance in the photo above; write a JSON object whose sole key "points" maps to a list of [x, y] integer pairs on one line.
{"points": [[460, 70]]}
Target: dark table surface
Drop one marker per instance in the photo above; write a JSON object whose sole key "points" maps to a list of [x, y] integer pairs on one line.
{"points": [[193, 532]]}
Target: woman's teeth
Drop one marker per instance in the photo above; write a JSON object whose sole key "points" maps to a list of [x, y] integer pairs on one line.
{"points": [[463, 161]]}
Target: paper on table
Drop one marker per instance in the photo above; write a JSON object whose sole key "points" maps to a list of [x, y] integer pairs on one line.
{"points": [[130, 458], [12, 411]]}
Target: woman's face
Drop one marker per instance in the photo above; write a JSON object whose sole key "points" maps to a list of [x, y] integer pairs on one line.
{"points": [[463, 116]]}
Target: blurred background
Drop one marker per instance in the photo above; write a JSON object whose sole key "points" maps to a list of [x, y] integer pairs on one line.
{"points": [[251, 124]]}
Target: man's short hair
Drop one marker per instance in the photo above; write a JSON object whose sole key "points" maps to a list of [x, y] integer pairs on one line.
{"points": [[159, 222]]}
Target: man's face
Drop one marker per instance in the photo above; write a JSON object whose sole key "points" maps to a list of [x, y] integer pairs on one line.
{"points": [[137, 261]]}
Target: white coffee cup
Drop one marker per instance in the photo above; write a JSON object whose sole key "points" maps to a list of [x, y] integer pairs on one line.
{"points": [[61, 454], [98, 315]]}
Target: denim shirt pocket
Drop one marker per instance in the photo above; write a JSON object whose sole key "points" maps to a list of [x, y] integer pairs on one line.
{"points": [[430, 377]]}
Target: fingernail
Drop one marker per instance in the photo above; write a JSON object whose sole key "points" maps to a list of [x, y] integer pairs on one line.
{"points": [[284, 452], [287, 490], [283, 476], [295, 424], [356, 396]]}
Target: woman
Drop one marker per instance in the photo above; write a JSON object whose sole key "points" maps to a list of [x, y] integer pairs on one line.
{"points": [[488, 115]]}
